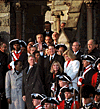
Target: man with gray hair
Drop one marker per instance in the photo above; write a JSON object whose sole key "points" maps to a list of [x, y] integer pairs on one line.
{"points": [[92, 50], [31, 82]]}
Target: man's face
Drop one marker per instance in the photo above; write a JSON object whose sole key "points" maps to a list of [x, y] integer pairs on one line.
{"points": [[37, 55], [4, 48], [35, 102], [31, 61], [48, 40], [68, 95], [62, 83], [47, 106], [87, 100], [60, 51], [47, 27], [91, 45], [97, 98], [39, 38], [85, 63], [98, 66], [18, 67], [32, 50], [55, 36], [16, 47], [75, 47], [28, 48], [51, 50]]}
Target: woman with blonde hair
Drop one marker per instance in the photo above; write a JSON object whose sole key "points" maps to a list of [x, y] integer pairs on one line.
{"points": [[56, 69], [71, 66]]}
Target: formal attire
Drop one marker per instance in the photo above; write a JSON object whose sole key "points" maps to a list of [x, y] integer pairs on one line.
{"points": [[38, 107], [24, 59], [68, 104], [47, 65], [71, 69], [95, 52], [31, 84], [13, 87], [3, 70], [49, 33]]}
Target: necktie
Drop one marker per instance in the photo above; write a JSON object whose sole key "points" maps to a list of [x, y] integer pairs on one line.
{"points": [[51, 59]]}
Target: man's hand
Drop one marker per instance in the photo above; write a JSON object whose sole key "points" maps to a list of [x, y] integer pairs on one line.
{"points": [[9, 101], [24, 98]]}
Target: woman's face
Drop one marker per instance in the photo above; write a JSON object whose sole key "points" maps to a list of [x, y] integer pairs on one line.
{"points": [[55, 66], [66, 57]]}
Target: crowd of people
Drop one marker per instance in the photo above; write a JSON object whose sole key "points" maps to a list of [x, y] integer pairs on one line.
{"points": [[42, 74]]}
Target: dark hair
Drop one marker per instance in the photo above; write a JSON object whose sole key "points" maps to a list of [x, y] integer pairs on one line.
{"points": [[51, 45], [47, 22], [1, 43], [35, 52], [16, 62]]}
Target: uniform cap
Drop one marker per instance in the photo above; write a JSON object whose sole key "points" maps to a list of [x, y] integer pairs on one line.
{"points": [[49, 100]]}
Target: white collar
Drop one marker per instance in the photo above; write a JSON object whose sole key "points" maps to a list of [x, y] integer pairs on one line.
{"points": [[17, 51], [52, 56], [69, 99], [86, 105], [76, 52]]}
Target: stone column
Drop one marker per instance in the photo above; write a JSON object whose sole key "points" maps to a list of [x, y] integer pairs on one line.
{"points": [[89, 21], [18, 21]]}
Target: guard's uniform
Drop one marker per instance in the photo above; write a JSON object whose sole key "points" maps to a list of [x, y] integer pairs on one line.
{"points": [[68, 104]]}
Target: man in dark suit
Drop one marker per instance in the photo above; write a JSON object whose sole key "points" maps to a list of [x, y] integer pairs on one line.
{"points": [[31, 82], [92, 50], [3, 70], [47, 65], [47, 31], [76, 50]]}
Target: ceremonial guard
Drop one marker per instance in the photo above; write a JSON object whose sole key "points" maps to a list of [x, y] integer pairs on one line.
{"points": [[86, 77], [88, 93], [68, 103], [64, 81], [15, 52], [49, 103], [96, 77], [37, 100]]}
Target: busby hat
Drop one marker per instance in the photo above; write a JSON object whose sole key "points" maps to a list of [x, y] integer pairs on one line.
{"points": [[89, 58], [97, 92], [63, 77], [87, 91], [49, 100], [61, 45], [38, 96]]}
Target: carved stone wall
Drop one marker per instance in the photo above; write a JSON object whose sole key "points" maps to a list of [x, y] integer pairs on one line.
{"points": [[4, 22]]}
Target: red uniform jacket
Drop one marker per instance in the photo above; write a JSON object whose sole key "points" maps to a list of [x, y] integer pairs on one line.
{"points": [[61, 105], [94, 79]]}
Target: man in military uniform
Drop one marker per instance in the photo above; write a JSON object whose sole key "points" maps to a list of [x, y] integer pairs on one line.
{"points": [[88, 93], [37, 100], [86, 77], [49, 103], [68, 103]]}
